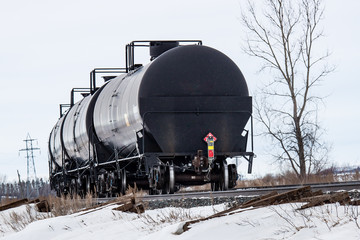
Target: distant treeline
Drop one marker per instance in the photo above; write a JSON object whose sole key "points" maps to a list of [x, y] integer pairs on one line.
{"points": [[30, 190]]}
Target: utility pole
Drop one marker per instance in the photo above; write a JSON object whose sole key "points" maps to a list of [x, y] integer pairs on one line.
{"points": [[30, 164], [20, 186]]}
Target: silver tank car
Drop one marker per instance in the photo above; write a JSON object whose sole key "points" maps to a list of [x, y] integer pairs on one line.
{"points": [[117, 115]]}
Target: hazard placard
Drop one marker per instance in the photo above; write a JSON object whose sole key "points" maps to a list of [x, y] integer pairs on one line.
{"points": [[210, 135]]}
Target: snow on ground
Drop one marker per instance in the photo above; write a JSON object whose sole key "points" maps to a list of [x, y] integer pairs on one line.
{"points": [[275, 222]]}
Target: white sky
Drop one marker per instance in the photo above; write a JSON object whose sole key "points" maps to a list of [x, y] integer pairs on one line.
{"points": [[49, 47]]}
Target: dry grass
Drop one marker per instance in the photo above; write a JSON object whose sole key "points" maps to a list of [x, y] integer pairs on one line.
{"points": [[66, 205], [63, 205], [289, 178], [134, 191]]}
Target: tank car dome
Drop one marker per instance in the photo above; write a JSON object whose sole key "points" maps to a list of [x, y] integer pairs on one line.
{"points": [[193, 70]]}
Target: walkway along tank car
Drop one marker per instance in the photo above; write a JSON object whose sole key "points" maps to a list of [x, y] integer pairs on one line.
{"points": [[170, 123]]}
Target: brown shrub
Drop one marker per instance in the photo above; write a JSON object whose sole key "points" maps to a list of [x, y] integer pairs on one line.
{"points": [[290, 178]]}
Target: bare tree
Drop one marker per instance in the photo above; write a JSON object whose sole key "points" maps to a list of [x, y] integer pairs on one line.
{"points": [[284, 34]]}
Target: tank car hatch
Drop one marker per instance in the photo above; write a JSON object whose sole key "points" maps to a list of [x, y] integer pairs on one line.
{"points": [[159, 47]]}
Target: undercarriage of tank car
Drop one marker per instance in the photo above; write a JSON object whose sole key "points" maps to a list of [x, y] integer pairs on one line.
{"points": [[159, 173]]}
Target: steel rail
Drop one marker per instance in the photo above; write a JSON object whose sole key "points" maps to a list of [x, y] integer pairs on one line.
{"points": [[325, 187], [248, 192]]}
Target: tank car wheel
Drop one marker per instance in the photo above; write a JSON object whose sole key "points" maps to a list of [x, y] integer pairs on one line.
{"points": [[123, 183], [224, 180], [232, 175], [89, 186], [82, 187], [223, 183], [73, 189], [170, 180], [214, 186]]}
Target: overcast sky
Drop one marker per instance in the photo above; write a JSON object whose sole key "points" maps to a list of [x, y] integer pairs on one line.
{"points": [[49, 47]]}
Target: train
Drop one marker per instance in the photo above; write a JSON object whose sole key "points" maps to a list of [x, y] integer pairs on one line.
{"points": [[173, 122]]}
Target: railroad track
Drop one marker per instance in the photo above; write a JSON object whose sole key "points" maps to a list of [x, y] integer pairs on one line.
{"points": [[253, 191]]}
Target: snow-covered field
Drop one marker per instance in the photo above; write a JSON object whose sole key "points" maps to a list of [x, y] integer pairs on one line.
{"points": [[275, 222]]}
